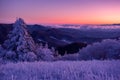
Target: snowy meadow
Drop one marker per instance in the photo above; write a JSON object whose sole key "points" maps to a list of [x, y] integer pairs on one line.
{"points": [[61, 70]]}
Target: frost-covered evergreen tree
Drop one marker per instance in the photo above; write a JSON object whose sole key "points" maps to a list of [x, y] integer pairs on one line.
{"points": [[19, 40], [44, 53], [20, 45], [30, 56]]}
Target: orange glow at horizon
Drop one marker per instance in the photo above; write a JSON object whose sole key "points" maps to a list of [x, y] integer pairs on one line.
{"points": [[61, 12]]}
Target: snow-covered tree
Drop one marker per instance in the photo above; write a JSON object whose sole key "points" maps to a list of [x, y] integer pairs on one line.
{"points": [[39, 53], [19, 40], [44, 53], [20, 45], [30, 56], [107, 49]]}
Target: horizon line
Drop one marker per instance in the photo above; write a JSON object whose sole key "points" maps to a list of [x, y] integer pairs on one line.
{"points": [[62, 23]]}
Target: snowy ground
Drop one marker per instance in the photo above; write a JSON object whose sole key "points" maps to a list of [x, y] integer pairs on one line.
{"points": [[61, 70]]}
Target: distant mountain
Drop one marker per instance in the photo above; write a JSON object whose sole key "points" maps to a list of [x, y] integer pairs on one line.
{"points": [[58, 37]]}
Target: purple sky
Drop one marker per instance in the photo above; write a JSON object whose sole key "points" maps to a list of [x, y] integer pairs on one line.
{"points": [[61, 11]]}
